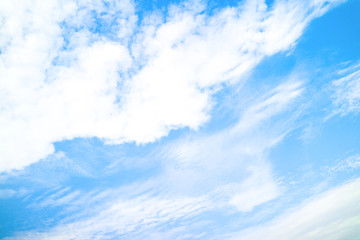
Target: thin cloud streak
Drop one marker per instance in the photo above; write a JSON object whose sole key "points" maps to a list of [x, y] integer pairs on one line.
{"points": [[346, 91], [331, 215]]}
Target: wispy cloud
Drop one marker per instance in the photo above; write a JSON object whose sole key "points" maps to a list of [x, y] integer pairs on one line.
{"points": [[7, 193], [350, 163], [333, 214], [122, 218], [346, 97], [234, 159]]}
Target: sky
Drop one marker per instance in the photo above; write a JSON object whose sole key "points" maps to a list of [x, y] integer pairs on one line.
{"points": [[130, 119]]}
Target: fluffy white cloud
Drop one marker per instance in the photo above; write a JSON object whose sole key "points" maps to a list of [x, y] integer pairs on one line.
{"points": [[331, 215], [79, 69]]}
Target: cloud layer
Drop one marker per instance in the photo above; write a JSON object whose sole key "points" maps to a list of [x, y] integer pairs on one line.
{"points": [[104, 81], [90, 69]]}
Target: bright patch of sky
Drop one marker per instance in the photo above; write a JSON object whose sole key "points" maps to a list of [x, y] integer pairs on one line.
{"points": [[193, 119]]}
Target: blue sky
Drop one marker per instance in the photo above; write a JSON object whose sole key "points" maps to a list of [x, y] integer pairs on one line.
{"points": [[190, 119]]}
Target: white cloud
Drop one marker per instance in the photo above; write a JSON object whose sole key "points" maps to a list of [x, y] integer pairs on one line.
{"points": [[346, 97], [255, 191], [7, 193], [350, 163], [62, 79], [123, 217], [331, 215], [233, 162], [212, 172]]}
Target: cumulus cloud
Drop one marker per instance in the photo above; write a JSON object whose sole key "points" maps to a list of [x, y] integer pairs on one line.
{"points": [[77, 68], [332, 215]]}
